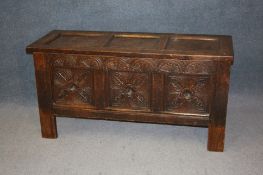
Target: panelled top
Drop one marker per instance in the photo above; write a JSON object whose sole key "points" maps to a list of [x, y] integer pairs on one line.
{"points": [[134, 44]]}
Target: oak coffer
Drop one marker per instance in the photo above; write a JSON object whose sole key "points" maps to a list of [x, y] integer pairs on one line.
{"points": [[141, 77]]}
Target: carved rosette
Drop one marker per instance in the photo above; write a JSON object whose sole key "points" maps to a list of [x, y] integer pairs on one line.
{"points": [[129, 90], [73, 87], [188, 94]]}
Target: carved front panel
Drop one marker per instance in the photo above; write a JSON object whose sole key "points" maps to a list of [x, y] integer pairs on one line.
{"points": [[72, 86], [188, 94], [128, 83], [129, 90]]}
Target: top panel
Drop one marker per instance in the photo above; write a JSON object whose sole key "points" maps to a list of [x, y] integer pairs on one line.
{"points": [[83, 42]]}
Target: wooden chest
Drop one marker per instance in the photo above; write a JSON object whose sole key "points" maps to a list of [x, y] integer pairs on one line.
{"points": [[141, 77]]}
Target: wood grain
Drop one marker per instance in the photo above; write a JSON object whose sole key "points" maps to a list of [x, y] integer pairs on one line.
{"points": [[43, 83], [127, 43], [138, 77], [216, 127]]}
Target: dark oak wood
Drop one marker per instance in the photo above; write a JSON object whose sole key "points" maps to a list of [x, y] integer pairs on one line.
{"points": [[139, 77], [43, 82], [126, 115], [216, 127], [157, 92]]}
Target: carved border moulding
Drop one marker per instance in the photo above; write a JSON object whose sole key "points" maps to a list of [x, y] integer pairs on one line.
{"points": [[187, 67], [134, 64], [188, 94], [77, 61], [160, 65], [129, 64], [72, 86], [129, 90]]}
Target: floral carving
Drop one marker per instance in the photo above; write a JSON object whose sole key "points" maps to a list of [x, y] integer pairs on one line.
{"points": [[90, 62], [188, 94], [134, 64], [187, 84], [129, 64], [198, 67], [129, 90], [74, 87], [77, 61], [168, 66], [185, 66]]}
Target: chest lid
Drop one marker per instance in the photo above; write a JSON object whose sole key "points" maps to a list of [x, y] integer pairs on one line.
{"points": [[134, 44]]}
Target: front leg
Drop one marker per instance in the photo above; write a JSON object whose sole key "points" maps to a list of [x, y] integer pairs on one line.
{"points": [[44, 92], [216, 126]]}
